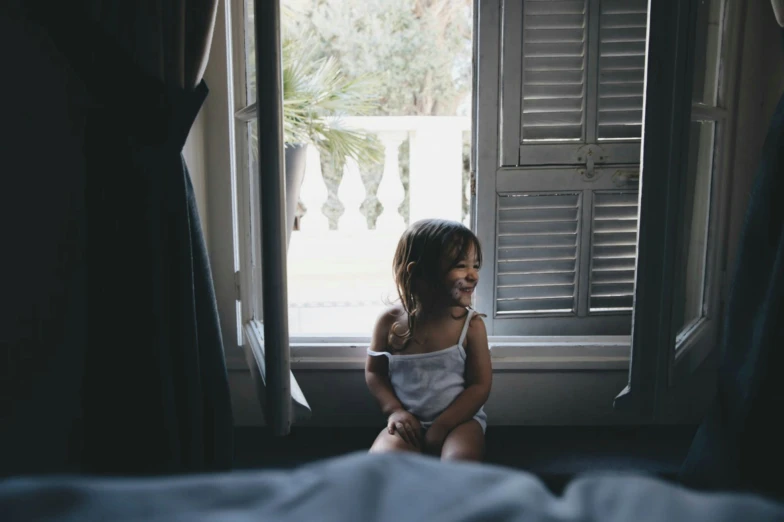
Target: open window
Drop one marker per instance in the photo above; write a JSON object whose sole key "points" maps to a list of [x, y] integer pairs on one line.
{"points": [[586, 253], [682, 246]]}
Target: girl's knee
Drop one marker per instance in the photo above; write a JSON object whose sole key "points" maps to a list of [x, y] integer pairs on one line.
{"points": [[462, 452], [391, 443]]}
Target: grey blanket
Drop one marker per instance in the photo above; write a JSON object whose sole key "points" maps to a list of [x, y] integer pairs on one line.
{"points": [[364, 488]]}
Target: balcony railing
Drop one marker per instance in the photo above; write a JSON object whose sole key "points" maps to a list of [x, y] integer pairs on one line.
{"points": [[340, 273]]}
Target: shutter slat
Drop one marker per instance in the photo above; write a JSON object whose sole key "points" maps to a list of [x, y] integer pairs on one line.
{"points": [[518, 241], [563, 21], [533, 200], [539, 214], [619, 118], [622, 34], [553, 70], [615, 225], [537, 252], [553, 133], [615, 238], [612, 289], [613, 251], [548, 7], [534, 78], [554, 118], [614, 304], [533, 292], [620, 103], [539, 279], [612, 263], [540, 305], [624, 6], [515, 266], [613, 276], [553, 104]]}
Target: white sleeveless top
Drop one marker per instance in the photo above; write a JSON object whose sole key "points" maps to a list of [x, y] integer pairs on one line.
{"points": [[427, 383]]}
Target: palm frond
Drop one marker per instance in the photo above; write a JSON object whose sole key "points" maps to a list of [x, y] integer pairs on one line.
{"points": [[316, 94]]}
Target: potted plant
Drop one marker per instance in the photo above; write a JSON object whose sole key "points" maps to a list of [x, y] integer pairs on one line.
{"points": [[316, 94]]}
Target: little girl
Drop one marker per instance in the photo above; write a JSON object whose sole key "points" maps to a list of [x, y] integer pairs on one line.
{"points": [[428, 363]]}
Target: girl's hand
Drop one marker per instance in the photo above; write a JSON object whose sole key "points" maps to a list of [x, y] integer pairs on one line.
{"points": [[434, 438], [407, 426]]}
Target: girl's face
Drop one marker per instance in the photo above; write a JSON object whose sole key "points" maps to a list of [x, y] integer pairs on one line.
{"points": [[462, 278]]}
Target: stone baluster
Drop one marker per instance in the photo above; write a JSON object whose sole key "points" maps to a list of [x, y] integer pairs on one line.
{"points": [[313, 193], [351, 194], [390, 190]]}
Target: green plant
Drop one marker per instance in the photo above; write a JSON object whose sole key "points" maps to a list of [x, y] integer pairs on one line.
{"points": [[316, 95]]}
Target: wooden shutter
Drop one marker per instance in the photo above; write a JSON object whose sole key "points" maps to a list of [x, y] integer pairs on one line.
{"points": [[538, 240], [622, 30], [565, 189], [554, 37], [613, 251]]}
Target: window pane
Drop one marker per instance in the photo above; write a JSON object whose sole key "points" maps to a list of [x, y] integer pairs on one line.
{"points": [[707, 49], [250, 53], [399, 79], [691, 269]]}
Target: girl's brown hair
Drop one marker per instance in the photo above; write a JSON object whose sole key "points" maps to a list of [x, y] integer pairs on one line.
{"points": [[434, 246]]}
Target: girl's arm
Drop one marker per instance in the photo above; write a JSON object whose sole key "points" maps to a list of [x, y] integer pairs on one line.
{"points": [[377, 368], [479, 377], [399, 420]]}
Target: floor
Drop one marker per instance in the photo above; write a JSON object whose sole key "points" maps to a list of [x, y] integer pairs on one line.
{"points": [[555, 454]]}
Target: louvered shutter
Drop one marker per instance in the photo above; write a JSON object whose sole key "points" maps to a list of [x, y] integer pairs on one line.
{"points": [[538, 237], [621, 68], [565, 206], [613, 249], [553, 70]]}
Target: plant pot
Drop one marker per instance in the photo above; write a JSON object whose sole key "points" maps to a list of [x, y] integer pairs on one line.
{"points": [[295, 174]]}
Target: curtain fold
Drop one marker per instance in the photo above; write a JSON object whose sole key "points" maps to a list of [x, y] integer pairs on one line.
{"points": [[739, 444]]}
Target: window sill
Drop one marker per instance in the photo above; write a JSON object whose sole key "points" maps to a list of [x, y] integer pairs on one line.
{"points": [[508, 353]]}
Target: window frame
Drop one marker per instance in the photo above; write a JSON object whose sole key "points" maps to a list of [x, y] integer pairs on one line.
{"points": [[693, 346], [340, 353], [661, 361]]}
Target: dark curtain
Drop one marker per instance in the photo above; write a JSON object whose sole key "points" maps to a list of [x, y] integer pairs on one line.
{"points": [[143, 348], [740, 444]]}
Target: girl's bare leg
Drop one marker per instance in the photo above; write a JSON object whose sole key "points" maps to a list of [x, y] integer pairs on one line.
{"points": [[465, 442], [385, 443]]}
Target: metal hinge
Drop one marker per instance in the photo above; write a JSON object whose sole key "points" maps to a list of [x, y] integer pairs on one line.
{"points": [[237, 286]]}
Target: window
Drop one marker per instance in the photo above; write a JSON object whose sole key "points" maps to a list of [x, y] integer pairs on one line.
{"points": [[682, 247], [350, 215], [698, 271], [579, 260]]}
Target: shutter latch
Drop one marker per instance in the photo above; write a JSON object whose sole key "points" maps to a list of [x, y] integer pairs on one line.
{"points": [[590, 155]]}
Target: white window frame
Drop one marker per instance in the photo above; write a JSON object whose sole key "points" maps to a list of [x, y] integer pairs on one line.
{"points": [[588, 353]]}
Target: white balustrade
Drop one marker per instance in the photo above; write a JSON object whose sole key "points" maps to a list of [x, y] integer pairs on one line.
{"points": [[352, 194], [390, 190], [348, 269], [313, 193]]}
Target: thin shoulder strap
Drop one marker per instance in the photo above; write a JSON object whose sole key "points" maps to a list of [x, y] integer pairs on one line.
{"points": [[465, 327]]}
